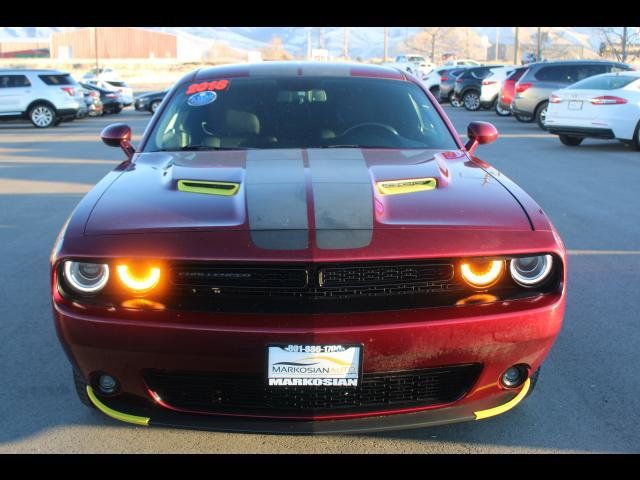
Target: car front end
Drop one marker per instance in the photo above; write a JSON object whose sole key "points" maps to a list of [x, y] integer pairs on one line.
{"points": [[304, 289]]}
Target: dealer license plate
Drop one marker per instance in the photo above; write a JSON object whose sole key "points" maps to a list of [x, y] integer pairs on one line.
{"points": [[575, 105], [314, 365]]}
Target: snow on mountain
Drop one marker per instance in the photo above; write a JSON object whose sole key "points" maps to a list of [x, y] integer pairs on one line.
{"points": [[364, 42]]}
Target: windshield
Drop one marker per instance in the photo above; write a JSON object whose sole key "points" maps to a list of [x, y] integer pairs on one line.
{"points": [[309, 112], [604, 82]]}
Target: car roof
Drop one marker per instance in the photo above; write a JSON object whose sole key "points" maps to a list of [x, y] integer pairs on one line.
{"points": [[574, 62], [32, 70], [300, 69]]}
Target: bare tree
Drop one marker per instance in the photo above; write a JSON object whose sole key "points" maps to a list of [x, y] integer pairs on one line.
{"points": [[275, 50], [621, 42], [427, 41]]}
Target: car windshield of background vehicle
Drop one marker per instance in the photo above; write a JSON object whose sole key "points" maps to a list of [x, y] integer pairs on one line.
{"points": [[311, 112], [605, 82]]}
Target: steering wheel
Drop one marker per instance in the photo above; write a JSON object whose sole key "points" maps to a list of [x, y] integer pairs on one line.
{"points": [[388, 128]]}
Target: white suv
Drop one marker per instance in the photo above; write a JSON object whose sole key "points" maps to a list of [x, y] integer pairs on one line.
{"points": [[46, 97]]}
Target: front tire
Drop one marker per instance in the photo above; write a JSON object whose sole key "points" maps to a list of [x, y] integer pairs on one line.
{"points": [[42, 116], [454, 101], [570, 140], [502, 112], [523, 118], [541, 114], [635, 142], [471, 101], [81, 390], [156, 103]]}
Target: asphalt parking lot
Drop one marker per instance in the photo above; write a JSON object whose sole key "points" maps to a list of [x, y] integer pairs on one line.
{"points": [[588, 396]]}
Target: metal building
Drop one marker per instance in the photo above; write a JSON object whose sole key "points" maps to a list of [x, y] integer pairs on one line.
{"points": [[113, 42]]}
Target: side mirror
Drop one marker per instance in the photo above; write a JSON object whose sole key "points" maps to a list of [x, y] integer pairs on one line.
{"points": [[118, 135], [480, 133]]}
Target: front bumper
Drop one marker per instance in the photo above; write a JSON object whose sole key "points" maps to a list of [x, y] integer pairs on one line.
{"points": [[495, 335], [165, 418]]}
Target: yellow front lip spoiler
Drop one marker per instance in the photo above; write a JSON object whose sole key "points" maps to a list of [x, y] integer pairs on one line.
{"points": [[490, 412], [144, 421], [123, 417]]}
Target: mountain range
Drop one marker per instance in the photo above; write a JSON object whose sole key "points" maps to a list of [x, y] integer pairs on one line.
{"points": [[364, 42]]}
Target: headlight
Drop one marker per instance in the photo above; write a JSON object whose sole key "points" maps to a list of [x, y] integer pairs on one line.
{"points": [[139, 280], [86, 277], [530, 271], [482, 274]]}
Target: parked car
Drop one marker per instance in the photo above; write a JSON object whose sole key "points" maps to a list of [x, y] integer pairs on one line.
{"points": [[462, 62], [492, 84], [603, 106], [432, 81], [541, 79], [415, 64], [468, 85], [264, 261], [447, 82], [126, 92], [150, 102], [105, 73], [111, 101], [45, 97], [503, 105], [94, 104]]}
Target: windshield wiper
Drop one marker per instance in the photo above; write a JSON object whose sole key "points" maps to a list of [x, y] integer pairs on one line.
{"points": [[194, 148], [355, 146]]}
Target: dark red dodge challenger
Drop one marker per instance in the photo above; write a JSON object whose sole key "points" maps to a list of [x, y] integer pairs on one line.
{"points": [[305, 247]]}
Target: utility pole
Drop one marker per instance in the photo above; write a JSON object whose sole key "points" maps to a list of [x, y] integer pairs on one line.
{"points": [[346, 43], [539, 54], [497, 43], [386, 36], [516, 45], [309, 43], [624, 44], [321, 38], [95, 41]]}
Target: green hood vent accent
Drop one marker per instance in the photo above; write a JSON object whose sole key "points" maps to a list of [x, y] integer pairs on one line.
{"points": [[210, 188]]}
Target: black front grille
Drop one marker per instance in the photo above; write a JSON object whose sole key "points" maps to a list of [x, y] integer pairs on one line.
{"points": [[314, 288], [249, 394], [378, 275]]}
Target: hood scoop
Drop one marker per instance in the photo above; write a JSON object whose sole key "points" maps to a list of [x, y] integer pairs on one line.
{"points": [[210, 188], [396, 187]]}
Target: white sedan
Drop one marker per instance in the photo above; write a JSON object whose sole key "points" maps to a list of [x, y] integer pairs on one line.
{"points": [[605, 106]]}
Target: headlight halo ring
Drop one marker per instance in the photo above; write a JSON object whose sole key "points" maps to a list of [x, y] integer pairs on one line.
{"points": [[82, 283], [521, 278]]}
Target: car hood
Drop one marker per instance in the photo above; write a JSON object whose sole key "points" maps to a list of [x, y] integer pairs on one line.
{"points": [[279, 195]]}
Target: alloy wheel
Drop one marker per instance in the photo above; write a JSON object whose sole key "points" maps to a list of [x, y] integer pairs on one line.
{"points": [[42, 116], [471, 101]]}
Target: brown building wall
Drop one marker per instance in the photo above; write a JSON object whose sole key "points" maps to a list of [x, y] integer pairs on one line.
{"points": [[114, 42], [9, 47]]}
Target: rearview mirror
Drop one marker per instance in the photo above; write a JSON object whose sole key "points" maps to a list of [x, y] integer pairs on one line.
{"points": [[118, 135], [480, 133]]}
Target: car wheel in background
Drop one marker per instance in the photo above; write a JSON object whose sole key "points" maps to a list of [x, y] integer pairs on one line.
{"points": [[117, 110], [155, 104], [502, 112], [471, 100], [541, 114], [635, 142], [42, 116], [454, 101], [570, 140], [523, 118]]}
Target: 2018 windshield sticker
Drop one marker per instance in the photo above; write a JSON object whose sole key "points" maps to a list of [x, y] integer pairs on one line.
{"points": [[202, 98], [216, 85]]}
